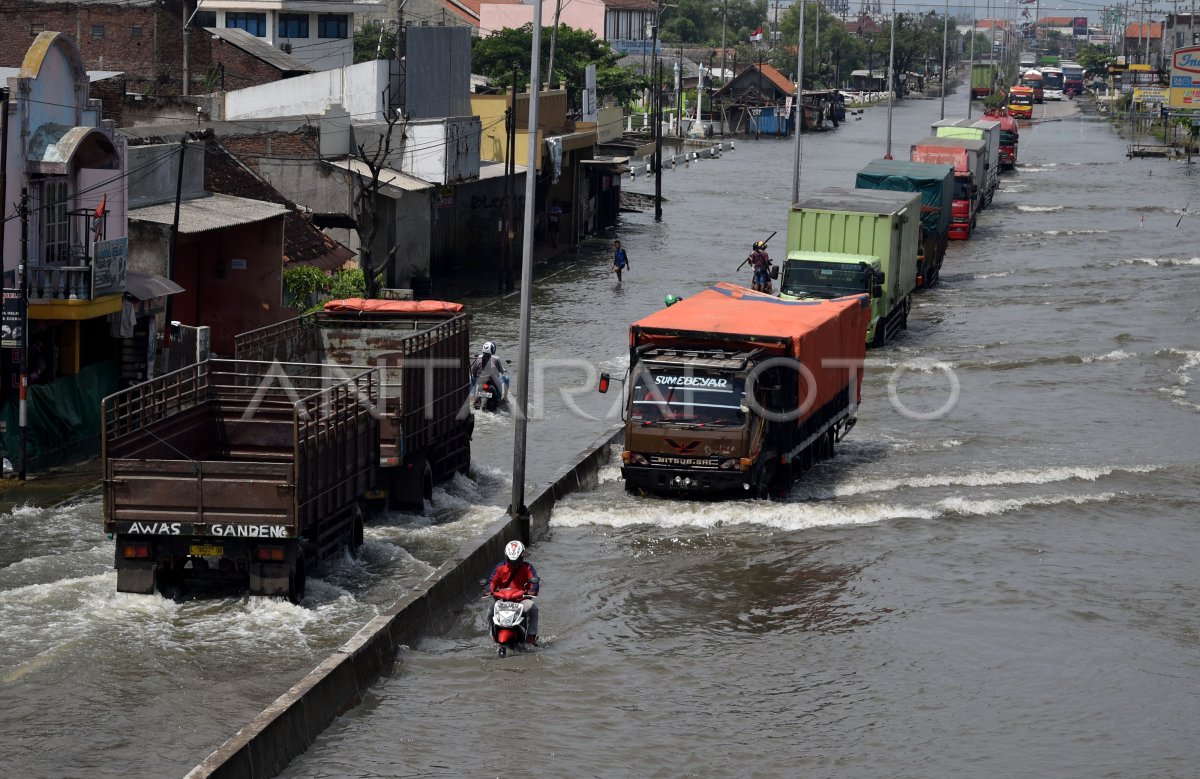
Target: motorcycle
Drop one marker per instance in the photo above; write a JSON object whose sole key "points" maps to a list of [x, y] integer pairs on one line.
{"points": [[489, 396], [509, 619]]}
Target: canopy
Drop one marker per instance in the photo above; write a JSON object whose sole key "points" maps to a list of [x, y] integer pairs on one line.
{"points": [[145, 286]]}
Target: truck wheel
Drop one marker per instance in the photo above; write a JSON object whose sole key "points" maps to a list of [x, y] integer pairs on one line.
{"points": [[409, 488], [356, 531], [880, 334], [296, 582]]}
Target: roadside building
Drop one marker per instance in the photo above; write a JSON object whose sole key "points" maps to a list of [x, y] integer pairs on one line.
{"points": [[73, 167]]}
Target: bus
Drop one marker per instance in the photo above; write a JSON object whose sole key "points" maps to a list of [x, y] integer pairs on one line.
{"points": [[1020, 102], [1072, 78], [1033, 79], [1052, 83]]}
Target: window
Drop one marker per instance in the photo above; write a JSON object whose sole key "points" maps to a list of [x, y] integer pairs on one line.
{"points": [[35, 29], [293, 25], [255, 24], [135, 32], [332, 26], [97, 30], [54, 220], [205, 19]]}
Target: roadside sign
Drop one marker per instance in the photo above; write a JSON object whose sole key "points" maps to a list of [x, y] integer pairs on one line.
{"points": [[1185, 78], [12, 320]]}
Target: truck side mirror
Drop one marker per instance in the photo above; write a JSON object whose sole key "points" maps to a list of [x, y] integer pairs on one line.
{"points": [[774, 271], [603, 386], [876, 290]]}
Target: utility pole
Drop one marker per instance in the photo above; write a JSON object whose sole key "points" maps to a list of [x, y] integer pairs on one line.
{"points": [[971, 91], [945, 39], [891, 82], [679, 97], [518, 509], [510, 177], [23, 360], [799, 106], [657, 120], [172, 249], [553, 43], [724, 24], [187, 62]]}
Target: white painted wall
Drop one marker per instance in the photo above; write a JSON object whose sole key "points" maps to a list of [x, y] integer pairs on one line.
{"points": [[359, 88], [443, 151]]}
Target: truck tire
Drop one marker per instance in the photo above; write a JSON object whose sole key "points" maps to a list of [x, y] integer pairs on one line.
{"points": [[410, 486], [880, 334], [296, 582], [356, 531]]}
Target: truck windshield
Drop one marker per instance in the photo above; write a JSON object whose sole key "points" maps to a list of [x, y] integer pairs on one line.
{"points": [[1008, 138], [685, 397], [962, 188], [822, 279]]}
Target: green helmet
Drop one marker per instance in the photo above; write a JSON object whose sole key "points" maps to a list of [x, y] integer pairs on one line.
{"points": [[671, 300]]}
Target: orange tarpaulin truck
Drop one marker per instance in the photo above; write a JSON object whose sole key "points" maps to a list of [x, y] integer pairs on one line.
{"points": [[732, 391]]}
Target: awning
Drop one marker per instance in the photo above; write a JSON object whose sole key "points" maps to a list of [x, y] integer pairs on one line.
{"points": [[213, 212], [392, 183], [56, 148], [144, 286], [609, 166]]}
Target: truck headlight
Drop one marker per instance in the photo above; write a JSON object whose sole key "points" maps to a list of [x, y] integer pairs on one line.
{"points": [[729, 465], [638, 459]]}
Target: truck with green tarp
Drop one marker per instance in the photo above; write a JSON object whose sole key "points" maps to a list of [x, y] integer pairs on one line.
{"points": [[843, 241], [935, 184], [983, 79]]}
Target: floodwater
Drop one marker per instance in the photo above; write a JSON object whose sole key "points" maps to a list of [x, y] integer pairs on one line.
{"points": [[993, 577]]}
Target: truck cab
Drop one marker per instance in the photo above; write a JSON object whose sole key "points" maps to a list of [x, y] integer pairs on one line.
{"points": [[690, 429], [826, 275]]}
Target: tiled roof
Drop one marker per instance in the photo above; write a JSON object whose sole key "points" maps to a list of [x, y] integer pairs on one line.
{"points": [[303, 243], [778, 79], [1056, 21], [1150, 31]]}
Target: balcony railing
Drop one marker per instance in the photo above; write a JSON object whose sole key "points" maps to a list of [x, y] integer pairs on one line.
{"points": [[68, 271], [59, 282]]}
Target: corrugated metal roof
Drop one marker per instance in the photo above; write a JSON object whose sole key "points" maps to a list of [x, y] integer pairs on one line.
{"points": [[389, 179], [258, 47], [210, 213], [494, 170]]}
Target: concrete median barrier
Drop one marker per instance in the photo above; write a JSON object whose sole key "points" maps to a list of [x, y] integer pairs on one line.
{"points": [[286, 728]]}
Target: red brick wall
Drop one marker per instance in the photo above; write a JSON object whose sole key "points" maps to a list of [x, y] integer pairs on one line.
{"points": [[301, 144], [143, 41], [241, 69]]}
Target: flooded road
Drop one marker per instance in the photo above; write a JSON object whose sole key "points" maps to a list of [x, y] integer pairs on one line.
{"points": [[1003, 589], [992, 578]]}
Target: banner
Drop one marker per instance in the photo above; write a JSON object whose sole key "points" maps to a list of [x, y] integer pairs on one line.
{"points": [[1185, 78], [12, 320], [108, 266]]}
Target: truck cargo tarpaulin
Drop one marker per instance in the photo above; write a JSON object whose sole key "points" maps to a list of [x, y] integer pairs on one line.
{"points": [[827, 337]]}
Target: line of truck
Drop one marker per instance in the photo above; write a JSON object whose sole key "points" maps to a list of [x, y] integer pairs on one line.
{"points": [[248, 472], [734, 391]]}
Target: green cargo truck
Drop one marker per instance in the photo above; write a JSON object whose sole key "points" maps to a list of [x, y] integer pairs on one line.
{"points": [[865, 241], [983, 79], [935, 184]]}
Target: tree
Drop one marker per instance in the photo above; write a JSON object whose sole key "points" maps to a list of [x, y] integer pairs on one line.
{"points": [[374, 154], [839, 52], [375, 40], [495, 56], [1092, 58]]}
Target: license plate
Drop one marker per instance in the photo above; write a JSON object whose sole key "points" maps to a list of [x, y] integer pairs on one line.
{"points": [[197, 550], [483, 394]]}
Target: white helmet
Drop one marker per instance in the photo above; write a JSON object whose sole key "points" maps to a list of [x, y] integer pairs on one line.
{"points": [[489, 348], [513, 550]]}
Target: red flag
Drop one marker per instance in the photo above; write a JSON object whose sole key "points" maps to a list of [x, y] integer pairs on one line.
{"points": [[756, 36]]}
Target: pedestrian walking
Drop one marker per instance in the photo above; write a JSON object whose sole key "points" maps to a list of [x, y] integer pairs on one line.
{"points": [[620, 260]]}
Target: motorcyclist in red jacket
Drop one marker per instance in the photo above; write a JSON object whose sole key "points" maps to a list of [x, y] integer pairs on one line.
{"points": [[514, 571]]}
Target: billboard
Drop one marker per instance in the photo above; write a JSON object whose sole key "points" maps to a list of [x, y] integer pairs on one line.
{"points": [[1079, 23], [1185, 78]]}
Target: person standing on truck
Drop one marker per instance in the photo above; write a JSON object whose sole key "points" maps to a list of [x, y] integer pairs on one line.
{"points": [[515, 571], [760, 262], [488, 364], [620, 260]]}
